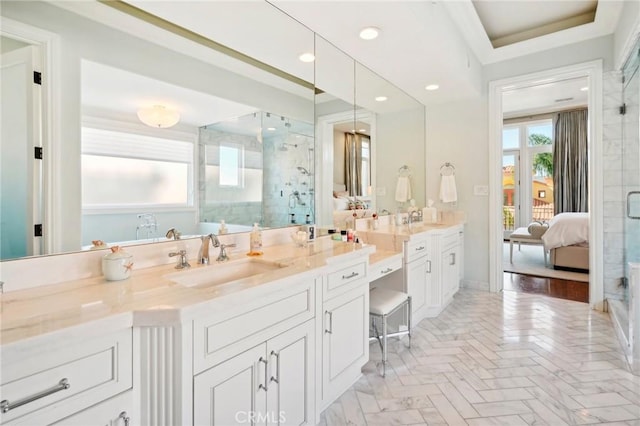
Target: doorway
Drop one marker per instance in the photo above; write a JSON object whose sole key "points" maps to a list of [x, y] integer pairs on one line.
{"points": [[592, 73]]}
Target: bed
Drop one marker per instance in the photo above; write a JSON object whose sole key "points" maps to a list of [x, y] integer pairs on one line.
{"points": [[567, 240]]}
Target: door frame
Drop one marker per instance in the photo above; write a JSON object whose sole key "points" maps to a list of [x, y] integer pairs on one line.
{"points": [[592, 70], [49, 44]]}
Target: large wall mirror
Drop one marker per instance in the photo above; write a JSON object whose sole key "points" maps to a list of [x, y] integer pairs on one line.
{"points": [[257, 138]]}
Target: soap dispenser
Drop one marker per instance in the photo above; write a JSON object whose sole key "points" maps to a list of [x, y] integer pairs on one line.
{"points": [[223, 228], [255, 241]]}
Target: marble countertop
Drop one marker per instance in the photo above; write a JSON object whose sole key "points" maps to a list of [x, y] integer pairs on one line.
{"points": [[37, 311]]}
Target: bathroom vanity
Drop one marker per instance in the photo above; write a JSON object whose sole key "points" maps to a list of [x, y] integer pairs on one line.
{"points": [[277, 340]]}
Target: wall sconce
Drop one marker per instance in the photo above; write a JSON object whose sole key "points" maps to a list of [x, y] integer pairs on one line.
{"points": [[159, 116], [542, 194]]}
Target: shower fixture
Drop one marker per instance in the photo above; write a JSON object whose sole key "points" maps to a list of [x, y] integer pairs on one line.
{"points": [[303, 171], [283, 146]]}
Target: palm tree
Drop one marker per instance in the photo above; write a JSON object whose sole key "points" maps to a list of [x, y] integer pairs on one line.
{"points": [[542, 163]]}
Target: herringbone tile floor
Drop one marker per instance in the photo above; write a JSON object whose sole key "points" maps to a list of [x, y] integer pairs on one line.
{"points": [[498, 359]]}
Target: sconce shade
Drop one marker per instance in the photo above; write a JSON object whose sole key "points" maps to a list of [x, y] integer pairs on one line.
{"points": [[159, 116]]}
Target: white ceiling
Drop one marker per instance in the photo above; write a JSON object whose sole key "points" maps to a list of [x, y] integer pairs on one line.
{"points": [[545, 97]]}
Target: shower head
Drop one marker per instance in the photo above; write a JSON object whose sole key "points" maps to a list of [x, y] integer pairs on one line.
{"points": [[303, 171]]}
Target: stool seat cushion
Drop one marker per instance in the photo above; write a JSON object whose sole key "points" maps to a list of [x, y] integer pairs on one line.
{"points": [[383, 301]]}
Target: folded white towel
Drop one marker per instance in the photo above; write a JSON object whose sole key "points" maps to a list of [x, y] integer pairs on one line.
{"points": [[403, 189], [448, 192]]}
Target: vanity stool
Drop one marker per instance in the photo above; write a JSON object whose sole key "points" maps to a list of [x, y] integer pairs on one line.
{"points": [[382, 303]]}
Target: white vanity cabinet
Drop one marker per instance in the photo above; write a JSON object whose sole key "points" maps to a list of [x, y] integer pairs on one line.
{"points": [[60, 376], [450, 248], [269, 383], [425, 296], [343, 329], [116, 411]]}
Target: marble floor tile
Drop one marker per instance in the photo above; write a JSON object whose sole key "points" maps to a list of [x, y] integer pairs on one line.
{"points": [[498, 359]]}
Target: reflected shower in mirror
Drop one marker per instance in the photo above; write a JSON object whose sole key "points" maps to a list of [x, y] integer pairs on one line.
{"points": [[257, 168]]}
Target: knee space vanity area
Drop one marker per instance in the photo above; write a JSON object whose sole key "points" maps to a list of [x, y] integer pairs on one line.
{"points": [[167, 347]]}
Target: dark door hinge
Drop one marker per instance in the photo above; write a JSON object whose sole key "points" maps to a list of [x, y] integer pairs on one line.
{"points": [[623, 109], [37, 230], [37, 77], [37, 153]]}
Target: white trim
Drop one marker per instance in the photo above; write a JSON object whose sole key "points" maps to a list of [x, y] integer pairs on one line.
{"points": [[325, 158], [628, 46], [593, 71], [49, 44]]}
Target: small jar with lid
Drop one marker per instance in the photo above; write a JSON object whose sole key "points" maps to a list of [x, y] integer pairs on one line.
{"points": [[117, 265]]}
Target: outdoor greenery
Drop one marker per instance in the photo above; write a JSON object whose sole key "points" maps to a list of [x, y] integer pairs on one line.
{"points": [[542, 163]]}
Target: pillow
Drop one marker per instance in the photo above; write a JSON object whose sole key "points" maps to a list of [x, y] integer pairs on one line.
{"points": [[341, 203], [537, 229]]}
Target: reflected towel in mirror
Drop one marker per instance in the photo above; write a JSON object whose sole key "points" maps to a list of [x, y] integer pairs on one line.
{"points": [[403, 189], [448, 191]]}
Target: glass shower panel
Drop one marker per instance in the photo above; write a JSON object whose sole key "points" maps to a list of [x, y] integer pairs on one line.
{"points": [[631, 164]]}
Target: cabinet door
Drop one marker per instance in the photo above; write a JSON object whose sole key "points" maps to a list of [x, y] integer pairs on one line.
{"points": [[116, 411], [290, 397], [232, 392], [416, 274], [450, 276], [345, 341]]}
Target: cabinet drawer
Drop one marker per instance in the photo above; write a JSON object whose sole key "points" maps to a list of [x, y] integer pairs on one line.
{"points": [[49, 386], [450, 239], [339, 281], [416, 249], [384, 268], [217, 337]]}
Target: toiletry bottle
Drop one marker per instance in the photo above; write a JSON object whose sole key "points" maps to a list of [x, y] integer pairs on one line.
{"points": [[255, 240], [223, 228], [293, 217], [307, 220]]}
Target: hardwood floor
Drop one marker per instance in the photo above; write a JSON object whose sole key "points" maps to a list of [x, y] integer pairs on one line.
{"points": [[554, 287]]}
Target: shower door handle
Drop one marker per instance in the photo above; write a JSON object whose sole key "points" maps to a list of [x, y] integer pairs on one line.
{"points": [[633, 214]]}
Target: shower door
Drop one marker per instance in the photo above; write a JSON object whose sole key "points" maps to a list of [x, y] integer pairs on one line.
{"points": [[631, 163]]}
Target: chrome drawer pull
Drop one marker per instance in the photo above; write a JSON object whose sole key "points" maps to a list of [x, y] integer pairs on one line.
{"points": [[261, 386], [277, 378], [126, 419], [429, 268], [5, 405], [420, 248], [386, 271], [453, 258], [353, 274]]}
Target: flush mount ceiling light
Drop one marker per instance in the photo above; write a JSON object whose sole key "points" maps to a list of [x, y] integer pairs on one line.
{"points": [[159, 116], [369, 33], [271, 129], [381, 98], [307, 57], [584, 89], [432, 87]]}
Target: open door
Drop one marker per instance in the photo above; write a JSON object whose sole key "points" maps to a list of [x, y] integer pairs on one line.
{"points": [[20, 170]]}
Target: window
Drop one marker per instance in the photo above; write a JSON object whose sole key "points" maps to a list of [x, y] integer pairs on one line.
{"points": [[123, 169], [230, 165]]}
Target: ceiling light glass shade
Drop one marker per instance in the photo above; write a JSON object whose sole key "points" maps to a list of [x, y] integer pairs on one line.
{"points": [[159, 116], [369, 33], [307, 57], [432, 87]]}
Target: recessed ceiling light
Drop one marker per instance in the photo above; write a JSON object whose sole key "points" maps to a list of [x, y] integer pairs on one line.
{"points": [[307, 57], [271, 129], [381, 98], [432, 87], [584, 89], [362, 130], [369, 33]]}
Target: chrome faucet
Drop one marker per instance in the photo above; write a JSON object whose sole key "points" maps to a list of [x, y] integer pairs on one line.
{"points": [[222, 256], [182, 260], [173, 233], [203, 253]]}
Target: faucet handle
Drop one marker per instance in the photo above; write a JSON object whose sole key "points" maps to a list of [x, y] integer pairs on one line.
{"points": [[182, 261], [223, 252]]}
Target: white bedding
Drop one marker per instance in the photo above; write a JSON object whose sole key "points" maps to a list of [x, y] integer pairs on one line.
{"points": [[566, 229]]}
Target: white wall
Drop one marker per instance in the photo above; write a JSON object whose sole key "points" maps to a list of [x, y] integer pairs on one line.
{"points": [[458, 132]]}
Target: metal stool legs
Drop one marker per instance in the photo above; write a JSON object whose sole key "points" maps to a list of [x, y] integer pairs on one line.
{"points": [[382, 338]]}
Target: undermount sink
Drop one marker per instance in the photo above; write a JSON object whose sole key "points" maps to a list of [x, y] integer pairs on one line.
{"points": [[222, 273]]}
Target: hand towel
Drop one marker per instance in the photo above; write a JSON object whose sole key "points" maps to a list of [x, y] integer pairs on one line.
{"points": [[448, 192], [403, 189]]}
